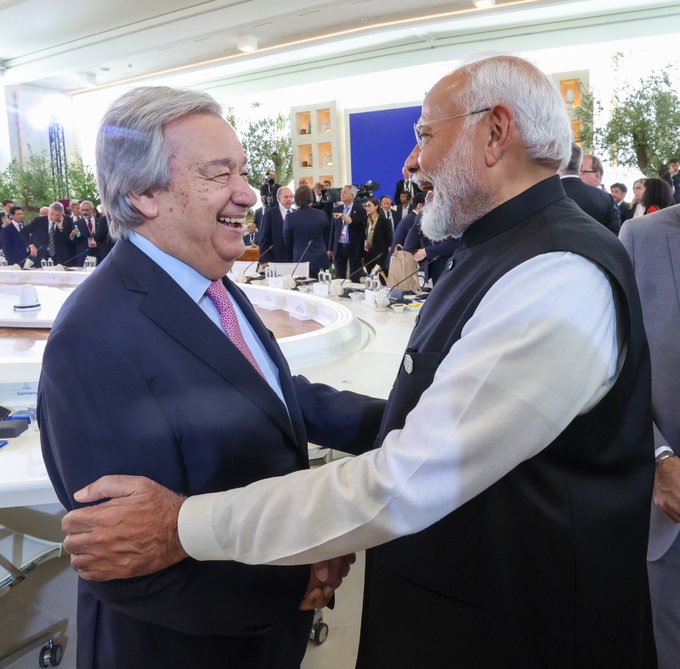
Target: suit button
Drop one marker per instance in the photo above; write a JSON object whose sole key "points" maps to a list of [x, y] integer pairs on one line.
{"points": [[450, 263]]}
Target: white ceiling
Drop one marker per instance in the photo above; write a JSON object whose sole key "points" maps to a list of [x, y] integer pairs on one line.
{"points": [[70, 44]]}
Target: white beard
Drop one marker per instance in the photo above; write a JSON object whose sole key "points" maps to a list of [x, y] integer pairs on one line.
{"points": [[458, 199]]}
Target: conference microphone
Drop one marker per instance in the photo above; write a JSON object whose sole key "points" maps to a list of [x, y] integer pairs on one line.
{"points": [[271, 246], [362, 268], [309, 243], [400, 293], [77, 255]]}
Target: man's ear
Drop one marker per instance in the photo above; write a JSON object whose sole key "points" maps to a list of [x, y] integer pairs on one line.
{"points": [[500, 124], [145, 204]]}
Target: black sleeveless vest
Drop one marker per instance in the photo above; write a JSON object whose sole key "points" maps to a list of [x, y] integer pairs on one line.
{"points": [[547, 567]]}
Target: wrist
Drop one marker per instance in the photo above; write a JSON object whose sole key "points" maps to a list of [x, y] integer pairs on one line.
{"points": [[666, 455]]}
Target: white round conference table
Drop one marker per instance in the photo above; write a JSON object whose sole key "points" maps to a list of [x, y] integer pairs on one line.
{"points": [[346, 344]]}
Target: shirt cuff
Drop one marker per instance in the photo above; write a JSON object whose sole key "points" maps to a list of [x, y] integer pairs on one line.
{"points": [[662, 449], [195, 528]]}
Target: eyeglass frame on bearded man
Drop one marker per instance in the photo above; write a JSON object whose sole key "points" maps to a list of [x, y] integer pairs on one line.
{"points": [[417, 127]]}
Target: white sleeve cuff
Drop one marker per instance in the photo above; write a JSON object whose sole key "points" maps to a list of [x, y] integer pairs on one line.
{"points": [[195, 528], [662, 449]]}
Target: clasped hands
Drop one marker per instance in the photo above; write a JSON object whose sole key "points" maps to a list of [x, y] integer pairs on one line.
{"points": [[134, 533]]}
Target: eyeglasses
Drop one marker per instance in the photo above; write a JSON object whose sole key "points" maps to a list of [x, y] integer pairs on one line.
{"points": [[588, 172], [418, 127]]}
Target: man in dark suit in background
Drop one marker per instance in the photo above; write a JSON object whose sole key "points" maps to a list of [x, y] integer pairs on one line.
{"points": [[13, 239], [270, 238], [48, 236], [406, 185], [594, 201], [391, 214], [618, 192], [347, 234], [183, 383], [104, 240]]}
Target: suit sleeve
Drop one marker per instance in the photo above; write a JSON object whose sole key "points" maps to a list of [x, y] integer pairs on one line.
{"points": [[86, 432], [413, 238], [265, 237], [614, 216], [342, 420], [287, 234]]}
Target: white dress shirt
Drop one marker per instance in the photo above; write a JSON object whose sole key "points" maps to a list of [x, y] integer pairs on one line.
{"points": [[540, 349]]}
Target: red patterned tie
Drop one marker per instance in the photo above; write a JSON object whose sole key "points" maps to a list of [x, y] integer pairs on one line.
{"points": [[90, 227], [218, 294]]}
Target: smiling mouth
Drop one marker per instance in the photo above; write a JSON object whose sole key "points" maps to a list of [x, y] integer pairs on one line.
{"points": [[231, 222]]}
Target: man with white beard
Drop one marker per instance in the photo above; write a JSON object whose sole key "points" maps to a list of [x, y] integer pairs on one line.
{"points": [[506, 508]]}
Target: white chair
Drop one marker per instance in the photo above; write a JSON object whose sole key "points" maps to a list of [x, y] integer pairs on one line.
{"points": [[19, 554], [287, 269]]}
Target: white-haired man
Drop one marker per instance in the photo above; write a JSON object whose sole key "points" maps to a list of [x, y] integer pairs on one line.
{"points": [[182, 382], [515, 457]]}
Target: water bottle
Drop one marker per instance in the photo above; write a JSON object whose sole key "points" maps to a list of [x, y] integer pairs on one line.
{"points": [[50, 263], [77, 229], [43, 263]]}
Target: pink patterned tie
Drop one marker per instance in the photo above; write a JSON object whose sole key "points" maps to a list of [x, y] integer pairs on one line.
{"points": [[218, 294]]}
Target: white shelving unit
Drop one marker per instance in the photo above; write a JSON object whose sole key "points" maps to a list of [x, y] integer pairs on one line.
{"points": [[318, 144]]}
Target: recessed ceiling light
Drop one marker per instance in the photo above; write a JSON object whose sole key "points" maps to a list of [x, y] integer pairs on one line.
{"points": [[483, 4], [246, 43]]}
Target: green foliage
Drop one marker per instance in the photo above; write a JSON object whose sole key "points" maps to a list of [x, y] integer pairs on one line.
{"points": [[267, 144], [82, 182], [590, 137], [36, 181], [32, 184], [643, 129], [29, 185]]}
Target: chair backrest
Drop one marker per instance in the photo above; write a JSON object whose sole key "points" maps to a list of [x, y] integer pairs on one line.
{"points": [[287, 269], [243, 267]]}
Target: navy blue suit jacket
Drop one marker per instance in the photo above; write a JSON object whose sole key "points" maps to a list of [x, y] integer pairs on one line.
{"points": [[271, 232], [305, 225], [37, 233], [595, 202], [168, 396], [14, 245]]}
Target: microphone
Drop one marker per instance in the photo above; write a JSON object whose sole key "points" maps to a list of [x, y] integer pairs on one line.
{"points": [[271, 246], [77, 255], [400, 293], [309, 243], [363, 267]]}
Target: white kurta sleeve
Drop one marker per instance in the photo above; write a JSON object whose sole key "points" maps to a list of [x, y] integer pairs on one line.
{"points": [[540, 348]]}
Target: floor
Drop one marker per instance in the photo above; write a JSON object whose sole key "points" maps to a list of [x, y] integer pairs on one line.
{"points": [[47, 601]]}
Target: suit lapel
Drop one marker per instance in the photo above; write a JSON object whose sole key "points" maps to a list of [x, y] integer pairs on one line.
{"points": [[172, 310], [277, 357]]}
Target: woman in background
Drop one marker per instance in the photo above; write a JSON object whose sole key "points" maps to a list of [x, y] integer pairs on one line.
{"points": [[636, 209], [657, 195], [378, 236]]}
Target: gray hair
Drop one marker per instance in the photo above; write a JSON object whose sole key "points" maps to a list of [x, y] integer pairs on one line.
{"points": [[131, 154], [82, 202], [539, 111], [58, 207]]}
